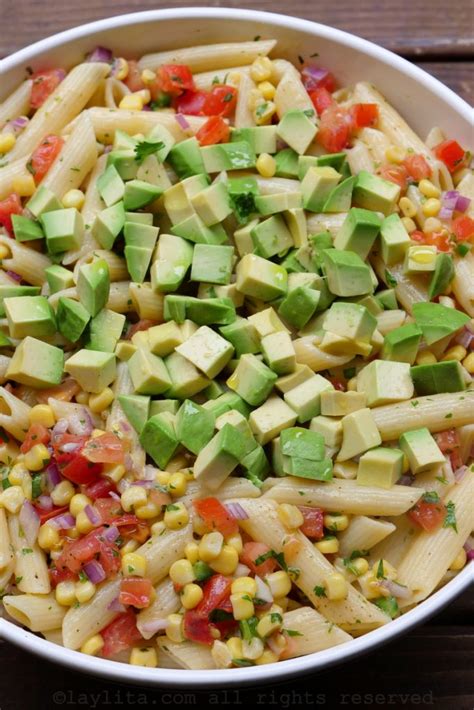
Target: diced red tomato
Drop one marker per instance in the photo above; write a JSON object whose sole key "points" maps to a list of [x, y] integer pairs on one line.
{"points": [[447, 440], [81, 471], [135, 591], [140, 325], [429, 516], [313, 522], [197, 628], [220, 101], [108, 508], [175, 78], [451, 153], [215, 130], [334, 129], [45, 515], [44, 83], [191, 103], [251, 552], [36, 434], [215, 592], [338, 384], [463, 228], [364, 115], [321, 99], [316, 78], [455, 459], [65, 391], [120, 634], [215, 516], [440, 240], [10, 205], [91, 546], [107, 448], [134, 76], [60, 575], [44, 156], [417, 167], [397, 174], [63, 457], [100, 490]]}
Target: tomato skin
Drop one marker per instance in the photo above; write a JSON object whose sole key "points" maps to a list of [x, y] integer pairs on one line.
{"points": [[326, 80], [428, 516], [397, 174], [135, 591], [65, 391], [107, 448], [313, 526], [10, 205], [197, 626], [254, 550], [220, 101], [191, 103], [175, 78], [100, 489], [451, 153], [63, 457], [140, 325], [440, 240], [364, 115], [321, 99], [215, 130], [45, 515], [447, 440], [334, 129], [417, 167], [91, 546], [44, 83], [120, 634], [463, 228], [216, 590], [37, 434], [81, 471], [44, 156], [60, 575], [134, 77], [215, 516]]}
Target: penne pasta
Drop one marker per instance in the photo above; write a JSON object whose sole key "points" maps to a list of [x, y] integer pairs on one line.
{"points": [[26, 262], [207, 57], [311, 632], [39, 613], [31, 569], [363, 533], [14, 414], [192, 656], [17, 104], [166, 602]]}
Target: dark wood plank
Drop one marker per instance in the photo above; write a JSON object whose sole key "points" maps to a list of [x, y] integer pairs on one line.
{"points": [[459, 76]]}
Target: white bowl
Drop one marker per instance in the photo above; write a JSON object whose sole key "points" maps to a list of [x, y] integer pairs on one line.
{"points": [[423, 101]]}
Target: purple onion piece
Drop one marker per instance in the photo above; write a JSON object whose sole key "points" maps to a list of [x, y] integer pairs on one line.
{"points": [[54, 477], [29, 521], [94, 571], [45, 502], [445, 213], [313, 75], [100, 54], [92, 514], [152, 627], [460, 473], [80, 424], [182, 122], [465, 338], [462, 203], [13, 275], [64, 522], [236, 511], [115, 605], [111, 534]]}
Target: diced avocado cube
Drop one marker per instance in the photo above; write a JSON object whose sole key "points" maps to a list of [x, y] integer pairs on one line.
{"points": [[252, 380], [437, 321], [302, 443], [25, 229], [123, 141], [124, 350], [402, 343], [296, 129], [394, 239], [140, 339], [177, 199], [148, 372], [340, 197], [160, 134], [261, 278], [175, 308], [347, 275], [29, 315], [172, 260], [358, 232], [287, 163], [124, 161], [110, 185], [420, 259], [136, 408], [105, 330], [350, 320], [335, 160], [280, 463], [194, 229], [270, 419], [93, 370], [43, 200], [212, 204], [72, 319], [64, 229], [316, 470], [295, 219], [93, 285], [387, 299], [138, 260], [256, 466], [242, 335], [216, 461], [243, 238], [58, 278], [212, 263], [139, 218], [340, 345], [208, 311], [207, 350], [385, 382], [271, 237], [186, 158], [316, 187], [186, 380], [329, 428], [13, 291], [140, 235], [305, 398], [421, 450], [226, 402], [380, 467], [164, 338], [359, 434], [300, 374], [108, 224], [139, 193], [374, 193], [370, 302], [194, 426], [444, 376], [228, 156], [442, 276], [278, 202], [305, 162], [157, 406], [279, 353], [240, 424], [338, 404], [242, 193], [214, 390], [299, 305], [262, 139], [158, 438], [266, 322], [36, 364]]}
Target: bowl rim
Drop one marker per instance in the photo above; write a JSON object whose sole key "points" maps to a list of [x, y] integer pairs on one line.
{"points": [[174, 678]]}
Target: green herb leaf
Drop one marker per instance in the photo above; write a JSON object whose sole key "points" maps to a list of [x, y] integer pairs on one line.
{"points": [[450, 519], [430, 497], [292, 632], [380, 570], [146, 148], [217, 615], [388, 605], [391, 280], [276, 618], [319, 591]]}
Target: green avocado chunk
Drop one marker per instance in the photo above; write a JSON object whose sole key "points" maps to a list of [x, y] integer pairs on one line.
{"points": [[299, 305], [25, 229], [271, 237], [93, 285], [29, 315], [212, 263], [374, 193], [242, 192], [387, 299], [203, 311], [302, 443], [139, 193], [110, 186], [358, 232], [63, 229], [58, 278], [444, 376], [243, 336], [72, 319], [437, 321], [401, 344], [194, 426], [347, 274], [136, 408], [339, 200], [105, 330], [252, 380], [108, 224], [263, 139], [7, 291], [158, 438], [36, 364], [287, 163], [43, 200], [442, 275], [186, 158]]}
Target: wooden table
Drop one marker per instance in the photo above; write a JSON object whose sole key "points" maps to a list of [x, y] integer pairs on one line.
{"points": [[431, 666]]}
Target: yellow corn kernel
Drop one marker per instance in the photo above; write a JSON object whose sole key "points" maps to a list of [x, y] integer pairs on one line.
{"points": [[269, 623], [24, 185], [266, 165], [409, 224], [422, 254], [395, 154], [432, 224], [221, 655], [244, 585], [177, 484], [174, 630], [234, 644], [266, 657], [93, 646], [255, 99], [328, 546], [12, 499], [146, 657], [48, 537], [456, 353], [336, 523], [425, 357], [163, 477], [42, 414], [290, 516], [121, 72], [191, 552], [191, 595], [18, 474], [336, 586], [176, 464], [148, 511], [263, 113], [279, 583], [199, 527], [129, 547], [73, 198], [84, 591], [369, 585], [278, 643], [114, 471], [4, 252], [83, 524], [78, 503], [65, 593], [181, 572], [176, 516], [431, 207], [226, 562], [267, 90], [352, 384], [407, 207], [96, 433], [385, 569], [468, 363], [261, 69], [236, 542], [62, 493], [252, 649], [37, 457], [101, 401], [134, 564], [133, 497], [148, 76], [82, 397], [459, 561], [7, 141], [158, 528], [210, 546], [242, 606], [132, 102], [360, 566], [283, 602], [427, 189]]}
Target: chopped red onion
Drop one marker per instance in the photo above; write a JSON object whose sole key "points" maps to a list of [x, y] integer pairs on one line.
{"points": [[114, 495], [405, 480], [94, 571], [460, 473], [80, 424], [64, 521], [13, 275], [313, 75], [182, 122], [465, 338], [29, 521], [128, 462], [115, 605], [70, 447], [446, 213], [59, 429], [100, 54], [470, 326], [241, 570], [152, 627], [54, 477], [395, 589], [462, 203], [92, 514], [263, 590], [149, 473], [236, 511], [16, 126], [45, 502], [469, 551], [144, 484], [111, 534], [449, 198]]}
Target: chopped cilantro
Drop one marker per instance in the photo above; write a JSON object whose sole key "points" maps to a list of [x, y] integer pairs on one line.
{"points": [[448, 416], [26, 551], [292, 632], [260, 110], [228, 97], [217, 615], [450, 519], [276, 618], [388, 605], [171, 506], [391, 281], [349, 373], [319, 591], [414, 403], [146, 148], [243, 662], [380, 570], [430, 497]]}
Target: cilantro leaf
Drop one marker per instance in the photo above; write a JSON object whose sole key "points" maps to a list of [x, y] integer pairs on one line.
{"points": [[391, 280], [450, 519], [430, 497], [292, 632], [146, 148], [319, 591]]}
